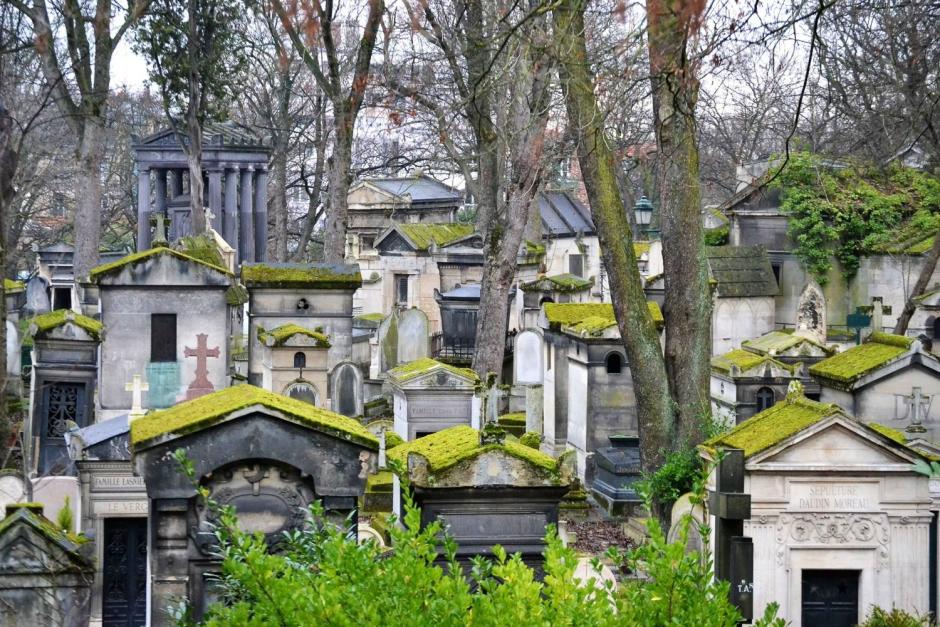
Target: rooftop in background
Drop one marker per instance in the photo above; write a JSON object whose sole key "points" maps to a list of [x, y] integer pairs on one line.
{"points": [[422, 235], [215, 134], [417, 188], [563, 215], [323, 276], [464, 292], [878, 350], [741, 271], [589, 318]]}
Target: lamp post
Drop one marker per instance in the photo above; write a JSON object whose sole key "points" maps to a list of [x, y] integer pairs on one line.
{"points": [[643, 214]]}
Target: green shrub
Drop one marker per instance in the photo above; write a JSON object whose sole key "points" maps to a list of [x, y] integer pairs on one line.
{"points": [[392, 439], [64, 518], [895, 618], [674, 478]]}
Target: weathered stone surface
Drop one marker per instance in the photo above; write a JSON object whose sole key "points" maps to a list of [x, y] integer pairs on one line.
{"points": [[413, 336]]}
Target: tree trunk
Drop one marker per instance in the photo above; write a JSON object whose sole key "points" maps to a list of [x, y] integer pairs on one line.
{"points": [[279, 204], [647, 366], [337, 218], [920, 286], [90, 154], [688, 303]]}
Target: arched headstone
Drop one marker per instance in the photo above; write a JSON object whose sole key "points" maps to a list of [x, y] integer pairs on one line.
{"points": [[346, 386], [527, 363], [811, 313], [388, 343], [682, 510], [413, 336], [37, 296]]}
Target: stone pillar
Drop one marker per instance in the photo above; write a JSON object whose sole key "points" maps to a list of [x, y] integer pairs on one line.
{"points": [[246, 228], [215, 198], [230, 221], [261, 214], [160, 191], [176, 183], [168, 552], [143, 207], [533, 408]]}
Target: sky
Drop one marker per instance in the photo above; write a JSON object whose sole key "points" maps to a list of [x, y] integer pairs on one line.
{"points": [[128, 69]]}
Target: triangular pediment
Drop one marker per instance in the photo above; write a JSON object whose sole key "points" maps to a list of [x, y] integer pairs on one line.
{"points": [[439, 378], [161, 268], [394, 242], [836, 443]]}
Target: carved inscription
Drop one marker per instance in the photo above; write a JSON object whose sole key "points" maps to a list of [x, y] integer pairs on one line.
{"points": [[438, 408], [105, 482], [834, 497], [109, 508]]}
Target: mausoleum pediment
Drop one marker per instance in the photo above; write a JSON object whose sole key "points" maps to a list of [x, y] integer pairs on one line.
{"points": [[160, 267], [430, 373]]}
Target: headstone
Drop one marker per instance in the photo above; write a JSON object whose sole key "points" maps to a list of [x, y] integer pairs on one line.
{"points": [[13, 349], [811, 313], [37, 296], [413, 336], [528, 358], [346, 385], [388, 343]]}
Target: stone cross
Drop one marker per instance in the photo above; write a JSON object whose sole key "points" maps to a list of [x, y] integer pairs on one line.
{"points": [[918, 406], [201, 384], [136, 386], [209, 218], [159, 232]]}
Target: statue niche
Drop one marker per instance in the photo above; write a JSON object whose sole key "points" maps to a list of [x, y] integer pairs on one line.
{"points": [[268, 497]]}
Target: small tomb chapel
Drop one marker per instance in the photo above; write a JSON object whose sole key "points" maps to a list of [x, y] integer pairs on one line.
{"points": [[430, 395], [840, 521]]}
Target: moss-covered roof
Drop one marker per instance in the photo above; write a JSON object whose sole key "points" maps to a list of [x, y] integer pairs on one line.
{"points": [[9, 285], [321, 276], [419, 367], [208, 410], [423, 235], [848, 366], [43, 323], [558, 283], [774, 425], [447, 448], [278, 336], [514, 418], [888, 432], [589, 318], [780, 341], [134, 258], [31, 514], [372, 317], [532, 248], [745, 360]]}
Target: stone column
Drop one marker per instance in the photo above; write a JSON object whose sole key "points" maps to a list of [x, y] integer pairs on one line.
{"points": [[176, 183], [168, 553], [230, 221], [215, 198], [261, 214], [143, 207], [246, 228], [160, 191]]}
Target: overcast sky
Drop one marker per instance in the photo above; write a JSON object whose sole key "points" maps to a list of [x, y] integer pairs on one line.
{"points": [[128, 68]]}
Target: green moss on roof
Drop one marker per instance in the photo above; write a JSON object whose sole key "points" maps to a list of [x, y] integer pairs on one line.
{"points": [[531, 248], [144, 255], [888, 432], [745, 360], [780, 341], [46, 322], [445, 449], [380, 481], [278, 336], [31, 513], [774, 425], [313, 276], [207, 410], [236, 295], [589, 318], [372, 317], [418, 367], [515, 418], [9, 285], [854, 363], [423, 235], [559, 283]]}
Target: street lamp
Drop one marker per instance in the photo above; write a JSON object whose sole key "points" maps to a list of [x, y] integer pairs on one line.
{"points": [[643, 212]]}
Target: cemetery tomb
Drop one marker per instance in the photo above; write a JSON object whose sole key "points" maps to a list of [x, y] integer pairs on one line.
{"points": [[294, 362], [744, 292], [169, 321], [485, 488], [266, 454], [831, 493], [744, 383], [429, 395]]}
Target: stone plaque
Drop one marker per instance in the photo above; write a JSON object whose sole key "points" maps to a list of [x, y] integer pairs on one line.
{"points": [[117, 483], [119, 508], [834, 497], [528, 358], [516, 525], [439, 408]]}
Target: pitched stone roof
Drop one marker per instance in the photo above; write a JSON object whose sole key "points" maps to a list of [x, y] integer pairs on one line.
{"points": [[426, 365], [316, 276], [745, 361], [205, 411], [44, 323], [777, 342], [558, 282], [741, 271], [419, 188], [30, 515], [144, 255], [422, 235], [878, 350], [563, 215], [279, 336], [589, 318], [10, 285]]}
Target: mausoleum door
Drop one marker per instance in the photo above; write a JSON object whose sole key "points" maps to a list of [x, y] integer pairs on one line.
{"points": [[61, 402], [830, 598], [124, 596]]}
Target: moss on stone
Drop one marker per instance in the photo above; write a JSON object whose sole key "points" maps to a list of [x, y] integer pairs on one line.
{"points": [[425, 365], [515, 418], [590, 318], [10, 285], [532, 248], [372, 317], [279, 336], [236, 295], [392, 440], [309, 276], [210, 409], [878, 350], [746, 360], [423, 235], [888, 432], [531, 439], [135, 258], [380, 482], [445, 449], [558, 283], [780, 341], [43, 323]]}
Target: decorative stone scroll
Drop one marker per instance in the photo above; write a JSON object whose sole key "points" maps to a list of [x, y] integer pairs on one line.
{"points": [[866, 530]]}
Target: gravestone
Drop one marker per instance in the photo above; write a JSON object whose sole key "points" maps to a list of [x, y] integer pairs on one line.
{"points": [[413, 336], [528, 358], [13, 350], [811, 313], [346, 389], [37, 296], [388, 343]]}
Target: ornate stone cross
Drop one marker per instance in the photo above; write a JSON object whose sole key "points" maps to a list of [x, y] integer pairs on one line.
{"points": [[201, 384], [160, 222], [918, 406], [136, 387], [209, 218]]}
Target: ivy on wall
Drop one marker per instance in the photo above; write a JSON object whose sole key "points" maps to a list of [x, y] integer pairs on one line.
{"points": [[848, 210]]}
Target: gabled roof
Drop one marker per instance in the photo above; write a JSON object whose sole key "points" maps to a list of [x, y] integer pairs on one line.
{"points": [[589, 318], [30, 515], [777, 342], [557, 283], [746, 361], [315, 276], [134, 258], [44, 323], [418, 189], [226, 134], [880, 349], [213, 408], [426, 365], [741, 271], [563, 215], [279, 336], [422, 235]]}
